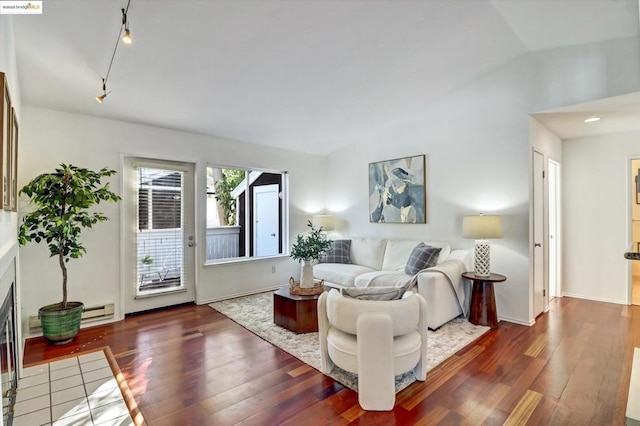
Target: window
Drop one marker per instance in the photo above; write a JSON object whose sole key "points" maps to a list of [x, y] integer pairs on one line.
{"points": [[245, 213]]}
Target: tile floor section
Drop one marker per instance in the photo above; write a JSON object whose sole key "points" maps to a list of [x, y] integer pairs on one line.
{"points": [[75, 391]]}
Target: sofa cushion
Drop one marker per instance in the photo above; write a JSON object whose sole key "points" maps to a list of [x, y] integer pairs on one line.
{"points": [[398, 251], [340, 252], [368, 252], [384, 279], [422, 257], [339, 273]]}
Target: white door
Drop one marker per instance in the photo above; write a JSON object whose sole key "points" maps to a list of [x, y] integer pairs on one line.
{"points": [[538, 234], [554, 229], [266, 220], [158, 234]]}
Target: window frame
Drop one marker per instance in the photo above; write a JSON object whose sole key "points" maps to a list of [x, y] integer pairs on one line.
{"points": [[284, 208]]}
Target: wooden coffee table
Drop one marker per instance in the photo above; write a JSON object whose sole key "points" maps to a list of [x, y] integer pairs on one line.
{"points": [[296, 313]]}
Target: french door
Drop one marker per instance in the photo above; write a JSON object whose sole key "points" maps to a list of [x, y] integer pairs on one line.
{"points": [[159, 236]]}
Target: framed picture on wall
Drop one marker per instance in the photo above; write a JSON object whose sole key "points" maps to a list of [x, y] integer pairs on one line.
{"points": [[638, 187], [14, 161], [5, 140], [397, 190]]}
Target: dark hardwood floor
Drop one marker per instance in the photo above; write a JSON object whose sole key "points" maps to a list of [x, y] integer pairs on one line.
{"points": [[193, 366]]}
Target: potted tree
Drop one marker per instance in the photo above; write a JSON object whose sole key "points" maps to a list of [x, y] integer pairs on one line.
{"points": [[308, 249], [62, 201]]}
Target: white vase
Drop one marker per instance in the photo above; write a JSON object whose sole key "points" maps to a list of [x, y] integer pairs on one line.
{"points": [[306, 277]]}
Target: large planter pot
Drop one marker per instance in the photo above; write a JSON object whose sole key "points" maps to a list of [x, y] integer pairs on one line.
{"points": [[60, 326]]}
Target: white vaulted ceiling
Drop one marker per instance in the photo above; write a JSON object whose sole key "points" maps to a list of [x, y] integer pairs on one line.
{"points": [[305, 75]]}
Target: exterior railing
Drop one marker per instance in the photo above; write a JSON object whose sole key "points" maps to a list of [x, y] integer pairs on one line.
{"points": [[223, 242]]}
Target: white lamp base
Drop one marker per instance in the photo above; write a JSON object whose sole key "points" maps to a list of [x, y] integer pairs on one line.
{"points": [[482, 258]]}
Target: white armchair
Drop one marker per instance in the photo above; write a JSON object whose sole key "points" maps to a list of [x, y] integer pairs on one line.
{"points": [[377, 340]]}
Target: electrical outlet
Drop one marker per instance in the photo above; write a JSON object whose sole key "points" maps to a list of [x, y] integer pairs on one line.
{"points": [[273, 269]]}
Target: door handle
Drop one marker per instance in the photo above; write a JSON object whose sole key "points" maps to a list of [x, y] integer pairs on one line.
{"points": [[537, 245]]}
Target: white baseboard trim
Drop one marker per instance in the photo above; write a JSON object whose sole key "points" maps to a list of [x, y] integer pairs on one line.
{"points": [[516, 321], [595, 299], [233, 296]]}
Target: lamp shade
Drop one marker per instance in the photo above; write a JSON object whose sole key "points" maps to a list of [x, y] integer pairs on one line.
{"points": [[482, 227], [325, 221]]}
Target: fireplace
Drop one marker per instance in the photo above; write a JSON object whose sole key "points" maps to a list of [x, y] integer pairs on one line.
{"points": [[8, 356]]}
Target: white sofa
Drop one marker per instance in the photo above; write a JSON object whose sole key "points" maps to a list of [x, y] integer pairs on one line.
{"points": [[447, 295]]}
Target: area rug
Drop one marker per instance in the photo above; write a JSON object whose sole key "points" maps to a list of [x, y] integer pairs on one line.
{"points": [[255, 313]]}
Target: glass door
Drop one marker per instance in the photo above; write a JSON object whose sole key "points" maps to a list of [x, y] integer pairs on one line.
{"points": [[159, 259]]}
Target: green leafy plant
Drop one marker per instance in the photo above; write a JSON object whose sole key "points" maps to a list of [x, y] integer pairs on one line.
{"points": [[63, 199], [311, 246], [146, 259], [227, 182]]}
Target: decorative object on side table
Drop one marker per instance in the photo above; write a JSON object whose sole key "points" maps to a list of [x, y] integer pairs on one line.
{"points": [[63, 199], [482, 228], [307, 249], [483, 301]]}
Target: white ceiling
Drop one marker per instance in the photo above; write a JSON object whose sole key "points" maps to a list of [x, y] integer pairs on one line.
{"points": [[307, 75]]}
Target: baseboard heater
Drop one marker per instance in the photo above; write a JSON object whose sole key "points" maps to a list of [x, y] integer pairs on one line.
{"points": [[90, 314]]}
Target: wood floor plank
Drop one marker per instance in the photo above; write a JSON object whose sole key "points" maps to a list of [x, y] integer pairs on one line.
{"points": [[483, 409], [536, 347], [450, 367], [527, 404], [191, 365]]}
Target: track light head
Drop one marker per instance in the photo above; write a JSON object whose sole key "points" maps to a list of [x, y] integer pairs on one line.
{"points": [[100, 98], [126, 37]]}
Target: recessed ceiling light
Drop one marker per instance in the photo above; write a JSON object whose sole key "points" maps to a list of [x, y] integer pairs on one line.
{"points": [[592, 119]]}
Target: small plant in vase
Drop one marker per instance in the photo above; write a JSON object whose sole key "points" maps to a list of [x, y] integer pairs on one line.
{"points": [[307, 249]]}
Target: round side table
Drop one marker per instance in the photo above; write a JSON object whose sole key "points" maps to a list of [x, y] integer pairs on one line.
{"points": [[483, 301]]}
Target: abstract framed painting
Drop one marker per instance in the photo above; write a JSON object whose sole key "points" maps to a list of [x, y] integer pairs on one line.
{"points": [[397, 190], [5, 141], [637, 178], [14, 161]]}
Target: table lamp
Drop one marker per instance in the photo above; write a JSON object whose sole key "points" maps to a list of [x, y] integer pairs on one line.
{"points": [[325, 221], [482, 228]]}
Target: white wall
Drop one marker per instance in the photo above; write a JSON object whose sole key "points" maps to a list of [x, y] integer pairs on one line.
{"points": [[9, 220], [596, 216], [550, 146], [479, 155], [478, 160], [51, 137]]}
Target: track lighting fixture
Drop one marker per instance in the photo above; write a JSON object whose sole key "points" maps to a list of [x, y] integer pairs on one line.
{"points": [[100, 98], [126, 38]]}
